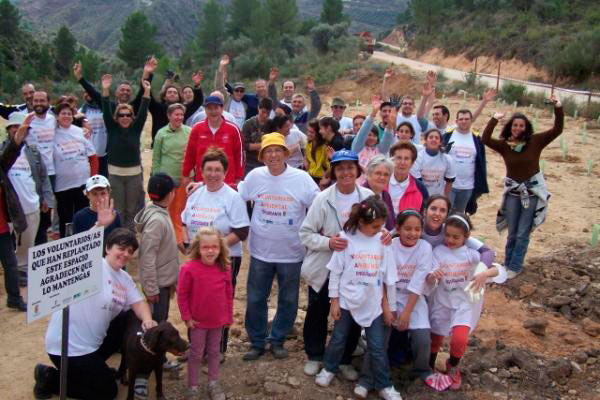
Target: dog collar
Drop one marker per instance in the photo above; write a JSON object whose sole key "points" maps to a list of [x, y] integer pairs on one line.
{"points": [[144, 346]]}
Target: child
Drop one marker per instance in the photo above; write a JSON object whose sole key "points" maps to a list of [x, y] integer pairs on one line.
{"points": [[452, 312], [158, 255], [434, 167], [205, 298], [357, 293], [97, 190]]}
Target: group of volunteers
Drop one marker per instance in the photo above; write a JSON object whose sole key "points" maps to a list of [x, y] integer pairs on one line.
{"points": [[371, 211]]}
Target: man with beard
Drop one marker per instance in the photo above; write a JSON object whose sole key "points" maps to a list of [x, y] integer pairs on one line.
{"points": [[27, 107], [41, 133]]}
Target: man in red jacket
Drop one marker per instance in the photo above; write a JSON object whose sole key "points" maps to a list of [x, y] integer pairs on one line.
{"points": [[214, 131]]}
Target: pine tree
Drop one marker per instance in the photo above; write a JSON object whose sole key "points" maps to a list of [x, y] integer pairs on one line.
{"points": [[283, 16], [239, 16], [211, 31], [64, 47], [9, 20], [137, 40], [333, 12]]}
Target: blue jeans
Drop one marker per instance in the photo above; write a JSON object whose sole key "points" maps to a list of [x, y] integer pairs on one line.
{"points": [[459, 199], [376, 340], [520, 223], [8, 259], [260, 281]]}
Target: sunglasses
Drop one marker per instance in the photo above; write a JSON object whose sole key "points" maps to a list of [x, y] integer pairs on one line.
{"points": [[240, 90], [124, 115], [337, 107]]}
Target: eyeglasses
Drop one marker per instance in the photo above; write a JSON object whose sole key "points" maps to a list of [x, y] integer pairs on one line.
{"points": [[124, 115]]}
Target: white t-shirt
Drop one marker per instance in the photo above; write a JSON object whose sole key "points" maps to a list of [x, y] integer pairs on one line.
{"points": [[223, 209], [99, 135], [71, 152], [294, 138], [433, 171], [344, 203], [21, 178], [415, 124], [396, 190], [236, 108], [463, 154], [280, 204], [43, 130], [358, 274], [346, 125], [90, 318], [412, 266]]}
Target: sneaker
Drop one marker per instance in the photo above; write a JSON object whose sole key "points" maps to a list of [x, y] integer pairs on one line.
{"points": [[279, 352], [172, 364], [40, 375], [18, 306], [324, 378], [253, 354], [454, 374], [438, 381], [389, 393], [214, 391], [311, 368], [510, 274], [140, 388], [348, 372], [361, 392], [192, 393]]}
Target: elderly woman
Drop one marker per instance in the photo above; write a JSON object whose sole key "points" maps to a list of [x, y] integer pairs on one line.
{"points": [[525, 198], [379, 171], [218, 205], [96, 328], [320, 234], [75, 161], [124, 130]]}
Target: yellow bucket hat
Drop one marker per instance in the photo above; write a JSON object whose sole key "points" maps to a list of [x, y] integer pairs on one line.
{"points": [[272, 139]]}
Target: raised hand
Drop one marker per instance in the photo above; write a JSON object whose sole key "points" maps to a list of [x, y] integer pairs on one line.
{"points": [[432, 77], [428, 89], [150, 66], [273, 74], [106, 212], [489, 95], [106, 81], [23, 129], [197, 78], [556, 101], [499, 116], [310, 83], [389, 72], [224, 62], [77, 70], [376, 103]]}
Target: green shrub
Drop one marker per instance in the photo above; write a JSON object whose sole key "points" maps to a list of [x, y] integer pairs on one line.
{"points": [[512, 92]]}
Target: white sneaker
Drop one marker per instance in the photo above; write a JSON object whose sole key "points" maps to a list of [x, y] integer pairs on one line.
{"points": [[311, 368], [361, 391], [389, 393], [348, 372], [324, 378], [511, 274]]}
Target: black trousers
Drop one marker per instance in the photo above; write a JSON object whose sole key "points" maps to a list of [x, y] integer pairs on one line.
{"points": [[236, 263], [41, 236], [68, 202], [315, 327], [88, 377]]}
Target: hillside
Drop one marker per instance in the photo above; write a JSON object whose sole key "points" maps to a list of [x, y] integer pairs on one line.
{"points": [[96, 23], [559, 36]]}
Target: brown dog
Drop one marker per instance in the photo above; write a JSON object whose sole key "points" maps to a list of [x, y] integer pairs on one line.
{"points": [[144, 352]]}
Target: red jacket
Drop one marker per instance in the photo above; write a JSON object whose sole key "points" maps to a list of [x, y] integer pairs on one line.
{"points": [[205, 295], [227, 137]]}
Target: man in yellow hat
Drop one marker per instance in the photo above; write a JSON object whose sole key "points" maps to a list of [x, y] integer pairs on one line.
{"points": [[281, 195]]}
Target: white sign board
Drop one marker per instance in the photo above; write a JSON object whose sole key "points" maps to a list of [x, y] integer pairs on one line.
{"points": [[63, 272]]}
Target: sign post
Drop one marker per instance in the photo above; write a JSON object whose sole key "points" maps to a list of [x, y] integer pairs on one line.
{"points": [[61, 273]]}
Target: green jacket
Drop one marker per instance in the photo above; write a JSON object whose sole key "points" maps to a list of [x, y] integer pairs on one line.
{"points": [[169, 150]]}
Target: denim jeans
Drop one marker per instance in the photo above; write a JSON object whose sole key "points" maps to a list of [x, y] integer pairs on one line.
{"points": [[8, 259], [376, 338], [520, 223], [260, 281], [459, 199]]}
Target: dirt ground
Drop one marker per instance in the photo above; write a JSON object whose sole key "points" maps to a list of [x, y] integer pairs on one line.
{"points": [[559, 291]]}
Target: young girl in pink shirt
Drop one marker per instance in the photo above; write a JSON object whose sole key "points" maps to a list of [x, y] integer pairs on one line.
{"points": [[205, 298]]}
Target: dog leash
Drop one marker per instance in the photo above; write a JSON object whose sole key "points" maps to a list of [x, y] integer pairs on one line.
{"points": [[144, 346]]}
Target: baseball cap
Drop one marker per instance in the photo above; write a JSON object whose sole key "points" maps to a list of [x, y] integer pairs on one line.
{"points": [[213, 100], [96, 181], [159, 186], [16, 118], [238, 85], [338, 102], [344, 155]]}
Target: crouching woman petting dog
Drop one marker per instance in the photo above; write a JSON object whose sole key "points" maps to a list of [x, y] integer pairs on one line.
{"points": [[96, 328]]}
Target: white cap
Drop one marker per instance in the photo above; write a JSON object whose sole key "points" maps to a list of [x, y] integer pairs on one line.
{"points": [[96, 181], [16, 118]]}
